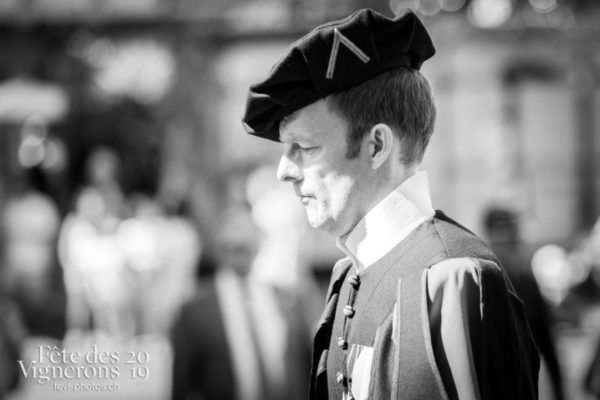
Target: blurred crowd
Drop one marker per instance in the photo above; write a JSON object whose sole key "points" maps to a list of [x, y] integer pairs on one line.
{"points": [[236, 307], [235, 310]]}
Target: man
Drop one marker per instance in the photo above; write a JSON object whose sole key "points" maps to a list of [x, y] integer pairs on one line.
{"points": [[503, 232], [419, 308], [237, 339]]}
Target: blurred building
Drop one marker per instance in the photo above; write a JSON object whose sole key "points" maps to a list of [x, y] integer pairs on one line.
{"points": [[163, 83]]}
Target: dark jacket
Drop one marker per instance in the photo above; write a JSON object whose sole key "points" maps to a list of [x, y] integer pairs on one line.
{"points": [[505, 356], [203, 364]]}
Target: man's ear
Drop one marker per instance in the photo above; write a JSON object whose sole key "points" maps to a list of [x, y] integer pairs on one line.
{"points": [[381, 141]]}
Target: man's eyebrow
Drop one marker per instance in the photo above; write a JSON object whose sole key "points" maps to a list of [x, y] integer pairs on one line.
{"points": [[289, 136], [295, 140]]}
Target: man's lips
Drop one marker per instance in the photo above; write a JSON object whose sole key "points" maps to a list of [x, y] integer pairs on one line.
{"points": [[304, 199]]}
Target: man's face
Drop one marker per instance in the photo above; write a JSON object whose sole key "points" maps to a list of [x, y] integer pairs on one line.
{"points": [[329, 184], [237, 241]]}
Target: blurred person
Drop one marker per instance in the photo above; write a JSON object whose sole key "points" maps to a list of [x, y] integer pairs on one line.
{"points": [[30, 223], [89, 252], [237, 340], [581, 304], [284, 227], [161, 253], [502, 229], [102, 170], [420, 307], [12, 334]]}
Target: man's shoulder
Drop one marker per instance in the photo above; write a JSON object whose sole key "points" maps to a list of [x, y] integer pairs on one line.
{"points": [[458, 241], [461, 267], [467, 278], [205, 296], [201, 314]]}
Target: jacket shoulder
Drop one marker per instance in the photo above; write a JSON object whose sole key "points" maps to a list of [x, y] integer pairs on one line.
{"points": [[459, 241], [463, 271]]}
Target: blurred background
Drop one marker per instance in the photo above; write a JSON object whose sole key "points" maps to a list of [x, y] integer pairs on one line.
{"points": [[127, 184]]}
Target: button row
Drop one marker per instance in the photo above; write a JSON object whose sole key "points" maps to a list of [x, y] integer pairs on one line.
{"points": [[349, 312]]}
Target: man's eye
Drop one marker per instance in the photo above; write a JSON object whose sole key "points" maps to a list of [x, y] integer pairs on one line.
{"points": [[308, 149]]}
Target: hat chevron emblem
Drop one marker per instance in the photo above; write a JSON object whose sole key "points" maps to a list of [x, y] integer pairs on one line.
{"points": [[339, 38]]}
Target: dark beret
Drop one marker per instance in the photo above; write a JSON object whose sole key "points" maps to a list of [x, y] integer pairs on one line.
{"points": [[331, 58]]}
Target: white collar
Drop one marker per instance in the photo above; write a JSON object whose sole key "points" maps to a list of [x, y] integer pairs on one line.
{"points": [[389, 222]]}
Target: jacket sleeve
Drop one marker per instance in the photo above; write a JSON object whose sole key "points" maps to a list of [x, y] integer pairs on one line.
{"points": [[481, 339]]}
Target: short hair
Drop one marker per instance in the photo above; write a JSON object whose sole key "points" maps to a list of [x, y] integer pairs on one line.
{"points": [[401, 98], [501, 217]]}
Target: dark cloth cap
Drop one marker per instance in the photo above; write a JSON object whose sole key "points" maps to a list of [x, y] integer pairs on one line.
{"points": [[334, 57]]}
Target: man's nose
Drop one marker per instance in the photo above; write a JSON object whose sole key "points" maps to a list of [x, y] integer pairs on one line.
{"points": [[288, 171]]}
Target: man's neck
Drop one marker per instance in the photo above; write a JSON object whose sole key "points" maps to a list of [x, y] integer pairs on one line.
{"points": [[389, 221], [381, 189]]}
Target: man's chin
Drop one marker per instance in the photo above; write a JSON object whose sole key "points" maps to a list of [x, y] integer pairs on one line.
{"points": [[313, 220], [315, 224], [321, 225]]}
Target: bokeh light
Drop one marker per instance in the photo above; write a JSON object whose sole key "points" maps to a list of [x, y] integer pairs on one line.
{"points": [[489, 13], [451, 5], [551, 269], [138, 68], [428, 8], [543, 6]]}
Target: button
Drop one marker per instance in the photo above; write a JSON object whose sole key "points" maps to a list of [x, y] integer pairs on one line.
{"points": [[342, 343], [340, 378], [349, 311], [354, 281]]}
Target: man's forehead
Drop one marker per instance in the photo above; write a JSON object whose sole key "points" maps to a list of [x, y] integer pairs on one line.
{"points": [[290, 132], [309, 123]]}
